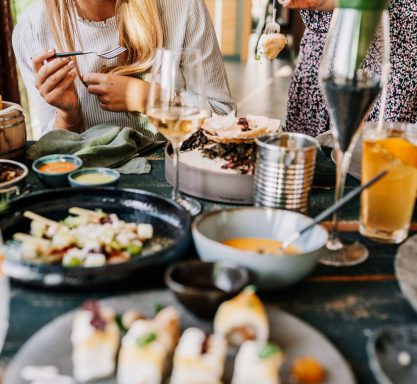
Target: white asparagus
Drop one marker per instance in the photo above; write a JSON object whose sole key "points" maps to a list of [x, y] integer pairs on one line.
{"points": [[86, 212], [24, 237], [35, 217]]}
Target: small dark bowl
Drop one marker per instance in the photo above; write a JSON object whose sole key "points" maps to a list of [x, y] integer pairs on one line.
{"points": [[55, 180], [202, 286], [18, 182], [72, 177]]}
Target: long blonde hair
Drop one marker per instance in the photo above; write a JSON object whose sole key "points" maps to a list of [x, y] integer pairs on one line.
{"points": [[139, 25]]}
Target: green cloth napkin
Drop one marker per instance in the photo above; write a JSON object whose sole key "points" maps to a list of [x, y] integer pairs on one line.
{"points": [[137, 165], [103, 145]]}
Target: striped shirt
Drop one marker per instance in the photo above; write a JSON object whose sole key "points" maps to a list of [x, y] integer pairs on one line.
{"points": [[186, 24]]}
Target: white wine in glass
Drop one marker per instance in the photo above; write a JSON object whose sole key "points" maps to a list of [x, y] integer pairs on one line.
{"points": [[177, 104]]}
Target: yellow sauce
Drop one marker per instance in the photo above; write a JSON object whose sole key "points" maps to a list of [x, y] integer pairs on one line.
{"points": [[58, 167], [94, 178], [261, 246]]}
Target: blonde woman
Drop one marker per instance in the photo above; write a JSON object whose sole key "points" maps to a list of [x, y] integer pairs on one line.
{"points": [[79, 92]]}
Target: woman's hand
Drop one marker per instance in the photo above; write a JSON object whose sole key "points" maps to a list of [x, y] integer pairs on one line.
{"points": [[318, 5], [118, 93], [55, 80]]}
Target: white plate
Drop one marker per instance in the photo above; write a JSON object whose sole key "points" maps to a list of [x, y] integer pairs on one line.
{"points": [[295, 337], [406, 270]]}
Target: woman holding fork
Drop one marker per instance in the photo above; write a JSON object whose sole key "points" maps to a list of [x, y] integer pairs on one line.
{"points": [[76, 93]]}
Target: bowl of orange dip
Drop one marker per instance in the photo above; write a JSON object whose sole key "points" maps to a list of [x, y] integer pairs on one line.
{"points": [[251, 238], [53, 170]]}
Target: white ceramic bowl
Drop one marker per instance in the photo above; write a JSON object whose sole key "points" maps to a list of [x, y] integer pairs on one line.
{"points": [[267, 271]]}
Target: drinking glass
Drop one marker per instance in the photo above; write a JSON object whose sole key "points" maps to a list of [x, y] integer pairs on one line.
{"points": [[350, 82], [177, 104], [4, 298], [387, 207]]}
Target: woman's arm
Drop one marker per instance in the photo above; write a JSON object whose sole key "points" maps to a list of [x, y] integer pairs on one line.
{"points": [[316, 5], [200, 34], [45, 84]]}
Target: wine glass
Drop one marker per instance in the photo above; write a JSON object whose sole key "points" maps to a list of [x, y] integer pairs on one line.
{"points": [[353, 71], [177, 105], [4, 298]]}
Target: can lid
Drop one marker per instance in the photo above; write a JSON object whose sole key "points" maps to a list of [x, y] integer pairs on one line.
{"points": [[363, 5]]}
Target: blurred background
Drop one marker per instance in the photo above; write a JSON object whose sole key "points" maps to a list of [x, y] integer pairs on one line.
{"points": [[258, 88]]}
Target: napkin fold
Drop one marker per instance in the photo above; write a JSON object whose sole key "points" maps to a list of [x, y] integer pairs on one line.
{"points": [[103, 145]]}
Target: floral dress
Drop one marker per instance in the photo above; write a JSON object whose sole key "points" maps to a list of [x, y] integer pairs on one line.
{"points": [[307, 111]]}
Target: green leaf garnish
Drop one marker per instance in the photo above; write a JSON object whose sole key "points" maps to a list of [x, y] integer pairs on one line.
{"points": [[258, 57], [119, 324], [158, 308], [267, 350], [145, 340], [252, 288]]}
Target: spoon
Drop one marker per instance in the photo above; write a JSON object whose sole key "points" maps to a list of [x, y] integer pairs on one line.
{"points": [[333, 208]]}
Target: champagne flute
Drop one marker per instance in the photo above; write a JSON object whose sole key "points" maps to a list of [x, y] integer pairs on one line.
{"points": [[351, 82], [177, 105]]}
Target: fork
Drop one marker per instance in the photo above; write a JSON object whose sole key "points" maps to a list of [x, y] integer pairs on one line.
{"points": [[110, 54], [272, 26]]}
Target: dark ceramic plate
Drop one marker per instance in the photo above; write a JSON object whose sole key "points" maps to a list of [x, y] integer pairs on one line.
{"points": [[393, 354], [295, 337], [171, 228]]}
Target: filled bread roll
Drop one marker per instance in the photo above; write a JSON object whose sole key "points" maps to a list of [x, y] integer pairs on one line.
{"points": [[142, 355], [199, 358], [271, 45], [242, 318], [257, 362], [147, 348], [95, 338]]}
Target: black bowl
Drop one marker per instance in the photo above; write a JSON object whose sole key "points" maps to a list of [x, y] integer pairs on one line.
{"points": [[170, 221], [202, 286]]}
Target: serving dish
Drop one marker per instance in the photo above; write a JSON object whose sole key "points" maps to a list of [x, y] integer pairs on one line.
{"points": [[294, 336], [202, 286], [223, 187], [268, 271], [55, 179], [170, 221]]}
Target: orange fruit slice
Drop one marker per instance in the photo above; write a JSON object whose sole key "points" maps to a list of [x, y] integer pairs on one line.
{"points": [[401, 149]]}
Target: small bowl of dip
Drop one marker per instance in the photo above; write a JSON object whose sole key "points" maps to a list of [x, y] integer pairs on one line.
{"points": [[53, 170], [93, 177]]}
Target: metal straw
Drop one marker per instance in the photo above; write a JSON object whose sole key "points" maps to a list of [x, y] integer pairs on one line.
{"points": [[333, 208]]}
